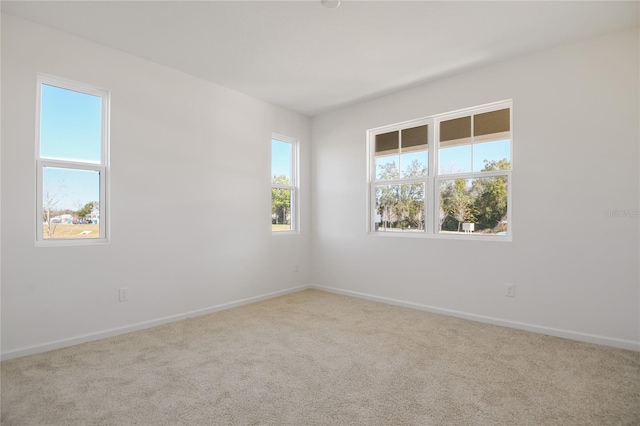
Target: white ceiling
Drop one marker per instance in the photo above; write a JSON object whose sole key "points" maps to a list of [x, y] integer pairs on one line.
{"points": [[311, 59]]}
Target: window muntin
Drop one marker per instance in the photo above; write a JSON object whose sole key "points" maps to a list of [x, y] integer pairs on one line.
{"points": [[71, 162], [469, 191], [284, 168]]}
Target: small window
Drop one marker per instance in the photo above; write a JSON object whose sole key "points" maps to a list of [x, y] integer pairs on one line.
{"points": [[284, 186], [71, 162]]}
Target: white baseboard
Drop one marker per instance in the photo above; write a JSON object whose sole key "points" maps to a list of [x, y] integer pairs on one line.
{"points": [[58, 344], [567, 334], [557, 332]]}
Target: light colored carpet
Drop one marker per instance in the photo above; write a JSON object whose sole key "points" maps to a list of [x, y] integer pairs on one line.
{"points": [[315, 358]]}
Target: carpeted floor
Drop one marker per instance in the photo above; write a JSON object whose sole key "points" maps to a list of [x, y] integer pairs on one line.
{"points": [[315, 358]]}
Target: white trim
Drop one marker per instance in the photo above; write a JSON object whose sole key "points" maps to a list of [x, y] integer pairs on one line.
{"points": [[370, 199], [539, 329], [63, 83], [402, 125], [506, 103], [284, 232], [444, 236], [89, 337]]}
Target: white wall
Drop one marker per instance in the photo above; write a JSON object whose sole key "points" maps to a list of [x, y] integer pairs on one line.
{"points": [[183, 148], [190, 198], [576, 140]]}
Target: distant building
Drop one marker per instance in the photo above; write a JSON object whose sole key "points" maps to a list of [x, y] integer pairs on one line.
{"points": [[64, 219], [94, 216]]}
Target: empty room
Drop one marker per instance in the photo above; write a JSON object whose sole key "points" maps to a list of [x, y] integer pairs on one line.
{"points": [[320, 212]]}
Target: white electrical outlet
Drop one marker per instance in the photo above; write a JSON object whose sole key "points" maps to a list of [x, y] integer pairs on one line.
{"points": [[124, 294], [510, 290]]}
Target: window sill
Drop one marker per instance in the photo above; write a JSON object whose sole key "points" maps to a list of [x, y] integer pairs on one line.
{"points": [[453, 236], [71, 242], [277, 233]]}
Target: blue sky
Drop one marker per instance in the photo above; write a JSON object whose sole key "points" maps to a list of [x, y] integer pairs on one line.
{"points": [[280, 158], [72, 188], [70, 125], [457, 159], [70, 129]]}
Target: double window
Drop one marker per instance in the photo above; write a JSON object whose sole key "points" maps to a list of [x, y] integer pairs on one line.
{"points": [[71, 162], [284, 184], [446, 175]]}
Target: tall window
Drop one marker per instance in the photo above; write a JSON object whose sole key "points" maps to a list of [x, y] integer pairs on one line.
{"points": [[284, 184], [474, 170], [71, 162], [401, 159], [458, 186]]}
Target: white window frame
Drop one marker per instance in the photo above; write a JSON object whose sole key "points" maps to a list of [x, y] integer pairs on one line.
{"points": [[293, 187], [102, 167], [371, 173], [432, 181]]}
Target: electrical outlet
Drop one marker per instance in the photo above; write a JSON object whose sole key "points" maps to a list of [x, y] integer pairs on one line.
{"points": [[510, 290], [124, 294], [296, 268]]}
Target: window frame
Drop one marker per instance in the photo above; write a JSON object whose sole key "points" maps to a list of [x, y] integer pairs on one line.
{"points": [[293, 187], [432, 181], [373, 182], [102, 167]]}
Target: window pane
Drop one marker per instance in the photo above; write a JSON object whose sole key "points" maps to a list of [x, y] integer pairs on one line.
{"points": [[387, 143], [415, 164], [491, 126], [415, 138], [414, 160], [70, 203], [281, 209], [456, 159], [70, 125], [455, 132], [281, 162], [477, 206], [387, 167], [492, 156], [400, 208], [387, 157]]}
